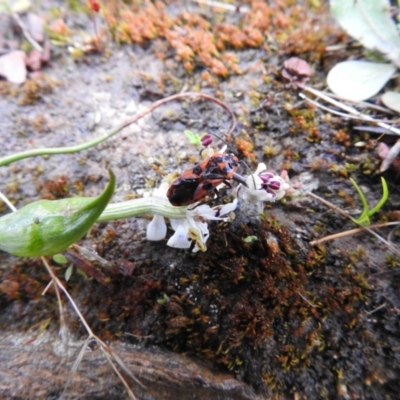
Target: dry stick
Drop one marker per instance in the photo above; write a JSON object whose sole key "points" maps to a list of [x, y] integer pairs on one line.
{"points": [[349, 109], [219, 4], [305, 299], [362, 104], [337, 209], [63, 325], [376, 309], [340, 114], [7, 202], [394, 151], [90, 333], [352, 232], [26, 33]]}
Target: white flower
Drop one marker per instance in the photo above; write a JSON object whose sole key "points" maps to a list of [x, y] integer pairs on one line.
{"points": [[194, 227], [157, 228], [262, 186]]}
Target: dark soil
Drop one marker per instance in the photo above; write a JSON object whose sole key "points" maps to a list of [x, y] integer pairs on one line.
{"points": [[273, 318]]}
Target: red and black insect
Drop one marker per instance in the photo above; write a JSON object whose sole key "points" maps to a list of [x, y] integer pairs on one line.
{"points": [[201, 180]]}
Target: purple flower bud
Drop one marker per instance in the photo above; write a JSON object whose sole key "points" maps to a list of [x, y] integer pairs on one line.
{"points": [[206, 140], [266, 176], [274, 185]]}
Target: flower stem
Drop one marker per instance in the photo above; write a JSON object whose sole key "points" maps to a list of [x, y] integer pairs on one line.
{"points": [[137, 207]]}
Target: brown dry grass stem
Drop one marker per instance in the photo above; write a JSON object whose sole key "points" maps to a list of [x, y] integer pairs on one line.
{"points": [[353, 231], [348, 109], [107, 351]]}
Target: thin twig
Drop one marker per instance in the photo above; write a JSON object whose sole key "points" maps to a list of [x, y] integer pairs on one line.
{"points": [[374, 129], [47, 288], [309, 302], [26, 33], [76, 363], [103, 346], [128, 389], [71, 300], [361, 103], [351, 232], [328, 204], [225, 6], [7, 202], [349, 109], [340, 114], [376, 309]]}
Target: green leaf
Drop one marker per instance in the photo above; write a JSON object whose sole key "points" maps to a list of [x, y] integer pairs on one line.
{"points": [[60, 259], [391, 100], [369, 22], [363, 219], [163, 300], [194, 138], [250, 239], [364, 215], [68, 272], [48, 227], [382, 201]]}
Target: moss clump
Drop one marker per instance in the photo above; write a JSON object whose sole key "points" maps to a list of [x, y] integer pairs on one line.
{"points": [[206, 40], [33, 90]]}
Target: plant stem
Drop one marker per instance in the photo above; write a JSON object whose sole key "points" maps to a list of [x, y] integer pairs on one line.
{"points": [[142, 206], [73, 149]]}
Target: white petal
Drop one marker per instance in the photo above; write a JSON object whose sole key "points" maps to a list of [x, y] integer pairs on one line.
{"points": [[156, 229], [161, 191], [260, 168], [175, 223], [226, 208], [255, 196], [180, 239], [254, 182], [214, 213], [260, 207]]}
